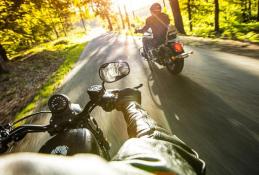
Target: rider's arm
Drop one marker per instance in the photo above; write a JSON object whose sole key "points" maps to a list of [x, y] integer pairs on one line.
{"points": [[167, 20], [145, 28], [152, 147]]}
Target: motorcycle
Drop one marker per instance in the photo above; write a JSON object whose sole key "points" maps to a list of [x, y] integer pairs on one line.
{"points": [[171, 54], [73, 129]]}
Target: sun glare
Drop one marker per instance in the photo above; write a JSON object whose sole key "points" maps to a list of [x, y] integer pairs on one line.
{"points": [[132, 4]]}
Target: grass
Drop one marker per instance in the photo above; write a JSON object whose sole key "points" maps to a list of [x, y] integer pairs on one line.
{"points": [[70, 49]]}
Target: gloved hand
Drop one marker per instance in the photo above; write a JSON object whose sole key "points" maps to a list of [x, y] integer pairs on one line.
{"points": [[136, 31], [126, 96]]}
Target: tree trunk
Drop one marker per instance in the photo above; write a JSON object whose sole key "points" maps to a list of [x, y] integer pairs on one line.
{"points": [[109, 22], [127, 16], [61, 22], [258, 10], [82, 19], [53, 25], [244, 10], [189, 14], [133, 14], [164, 3], [54, 28], [250, 9], [3, 68], [3, 54], [62, 25], [216, 17], [3, 59], [177, 16], [122, 21]]}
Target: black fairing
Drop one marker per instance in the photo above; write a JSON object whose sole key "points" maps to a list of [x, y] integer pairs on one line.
{"points": [[71, 142]]}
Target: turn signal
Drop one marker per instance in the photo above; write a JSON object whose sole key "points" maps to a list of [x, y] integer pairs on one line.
{"points": [[177, 47]]}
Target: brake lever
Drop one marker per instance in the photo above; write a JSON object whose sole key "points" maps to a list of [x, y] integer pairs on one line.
{"points": [[139, 86]]}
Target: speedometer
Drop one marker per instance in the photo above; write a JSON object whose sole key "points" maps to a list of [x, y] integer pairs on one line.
{"points": [[58, 103]]}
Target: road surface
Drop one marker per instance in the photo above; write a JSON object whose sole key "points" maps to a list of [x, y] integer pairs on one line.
{"points": [[213, 105]]}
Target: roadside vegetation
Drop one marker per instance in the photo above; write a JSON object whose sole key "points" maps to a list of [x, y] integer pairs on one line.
{"points": [[237, 20], [36, 74], [69, 51], [41, 39]]}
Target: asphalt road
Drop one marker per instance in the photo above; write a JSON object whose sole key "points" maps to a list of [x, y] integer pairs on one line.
{"points": [[213, 105]]}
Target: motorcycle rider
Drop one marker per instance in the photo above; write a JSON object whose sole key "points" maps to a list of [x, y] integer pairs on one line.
{"points": [[159, 23], [151, 149]]}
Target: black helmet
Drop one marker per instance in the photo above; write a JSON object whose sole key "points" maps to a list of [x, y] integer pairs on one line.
{"points": [[156, 7], [72, 142]]}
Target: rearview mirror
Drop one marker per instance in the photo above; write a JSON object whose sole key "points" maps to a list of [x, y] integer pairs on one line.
{"points": [[114, 71]]}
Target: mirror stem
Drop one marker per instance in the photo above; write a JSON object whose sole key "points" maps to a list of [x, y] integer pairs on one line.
{"points": [[103, 86]]}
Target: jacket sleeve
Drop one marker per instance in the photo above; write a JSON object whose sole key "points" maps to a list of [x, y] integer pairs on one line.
{"points": [[153, 148], [145, 28]]}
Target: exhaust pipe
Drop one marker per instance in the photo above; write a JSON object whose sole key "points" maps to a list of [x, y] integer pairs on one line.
{"points": [[182, 56]]}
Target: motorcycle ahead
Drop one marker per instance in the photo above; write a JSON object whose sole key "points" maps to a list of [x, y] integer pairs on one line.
{"points": [[171, 54], [73, 129]]}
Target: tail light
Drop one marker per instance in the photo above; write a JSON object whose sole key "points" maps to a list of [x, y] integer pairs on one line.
{"points": [[178, 47]]}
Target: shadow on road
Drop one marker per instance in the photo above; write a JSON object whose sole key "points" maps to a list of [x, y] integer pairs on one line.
{"points": [[207, 123], [225, 138]]}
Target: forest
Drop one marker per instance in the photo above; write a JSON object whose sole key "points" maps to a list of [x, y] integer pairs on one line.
{"points": [[231, 19], [26, 23]]}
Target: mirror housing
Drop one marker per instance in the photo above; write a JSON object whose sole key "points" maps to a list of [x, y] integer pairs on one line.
{"points": [[113, 71]]}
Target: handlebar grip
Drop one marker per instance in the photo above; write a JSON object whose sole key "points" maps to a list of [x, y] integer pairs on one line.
{"points": [[3, 148], [109, 100]]}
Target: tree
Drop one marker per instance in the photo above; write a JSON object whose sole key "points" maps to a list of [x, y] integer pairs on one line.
{"points": [[28, 22], [102, 9], [127, 16], [164, 3], [189, 13], [258, 10], [122, 21], [3, 59], [177, 16], [216, 16], [79, 4]]}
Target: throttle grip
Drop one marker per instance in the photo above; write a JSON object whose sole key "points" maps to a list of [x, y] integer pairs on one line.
{"points": [[109, 100]]}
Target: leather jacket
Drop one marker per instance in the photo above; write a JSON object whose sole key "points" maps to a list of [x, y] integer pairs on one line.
{"points": [[159, 24], [153, 149], [150, 150]]}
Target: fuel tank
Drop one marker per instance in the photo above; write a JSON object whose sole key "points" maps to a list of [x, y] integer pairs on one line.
{"points": [[71, 142]]}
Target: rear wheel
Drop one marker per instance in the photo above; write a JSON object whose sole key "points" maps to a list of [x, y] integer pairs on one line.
{"points": [[150, 64], [148, 58], [175, 67]]}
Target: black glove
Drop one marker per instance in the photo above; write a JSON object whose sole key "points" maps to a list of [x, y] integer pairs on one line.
{"points": [[126, 96]]}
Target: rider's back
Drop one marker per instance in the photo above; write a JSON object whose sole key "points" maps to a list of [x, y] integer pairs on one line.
{"points": [[159, 25]]}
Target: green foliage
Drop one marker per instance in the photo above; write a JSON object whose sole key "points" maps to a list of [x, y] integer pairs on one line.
{"points": [[237, 18], [26, 23]]}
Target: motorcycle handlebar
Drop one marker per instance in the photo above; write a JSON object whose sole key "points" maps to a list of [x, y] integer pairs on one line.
{"points": [[110, 98], [18, 134], [8, 135]]}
